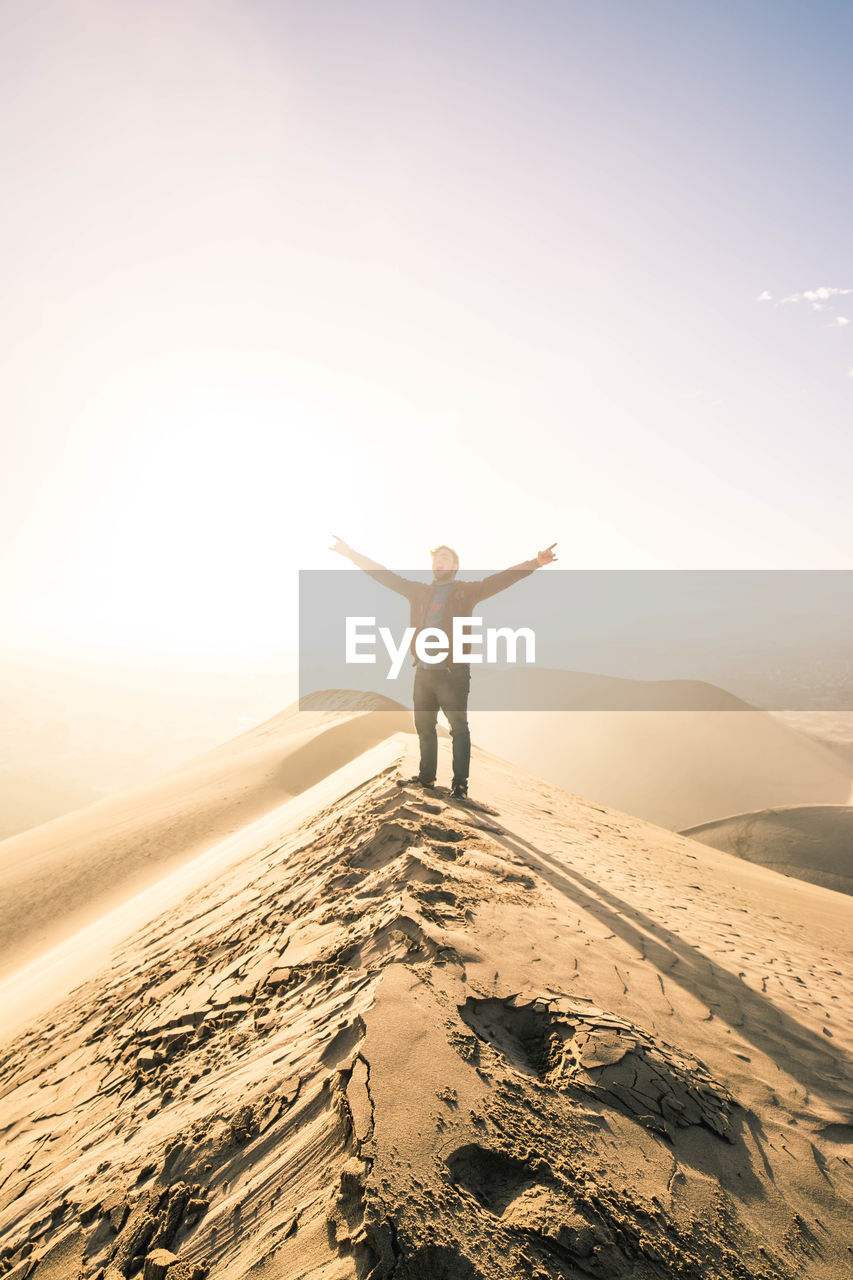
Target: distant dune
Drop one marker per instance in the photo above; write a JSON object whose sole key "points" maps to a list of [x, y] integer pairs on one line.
{"points": [[547, 689], [60, 876], [674, 767], [416, 1039], [811, 842]]}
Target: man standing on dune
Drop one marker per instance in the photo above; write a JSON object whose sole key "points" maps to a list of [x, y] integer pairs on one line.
{"points": [[443, 685]]}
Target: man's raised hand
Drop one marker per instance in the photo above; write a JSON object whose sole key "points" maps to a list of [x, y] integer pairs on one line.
{"points": [[546, 556], [340, 546]]}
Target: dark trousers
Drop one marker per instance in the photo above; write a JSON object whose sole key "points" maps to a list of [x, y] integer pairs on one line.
{"points": [[444, 688]]}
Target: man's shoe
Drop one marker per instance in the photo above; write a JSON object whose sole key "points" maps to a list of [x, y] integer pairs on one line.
{"points": [[415, 781], [459, 792]]}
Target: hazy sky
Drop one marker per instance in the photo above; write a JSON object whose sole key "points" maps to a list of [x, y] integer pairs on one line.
{"points": [[483, 273]]}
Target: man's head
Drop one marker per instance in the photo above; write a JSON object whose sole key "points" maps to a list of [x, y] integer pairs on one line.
{"points": [[445, 563]]}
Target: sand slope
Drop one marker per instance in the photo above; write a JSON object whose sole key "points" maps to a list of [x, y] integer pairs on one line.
{"points": [[60, 876], [675, 768], [422, 1039], [811, 842], [545, 688]]}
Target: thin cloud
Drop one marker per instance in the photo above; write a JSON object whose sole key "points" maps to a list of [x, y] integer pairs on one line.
{"points": [[818, 298], [822, 298]]}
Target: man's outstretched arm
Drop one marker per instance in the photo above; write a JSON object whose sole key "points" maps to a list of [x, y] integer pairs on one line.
{"points": [[496, 582], [363, 562], [372, 567]]}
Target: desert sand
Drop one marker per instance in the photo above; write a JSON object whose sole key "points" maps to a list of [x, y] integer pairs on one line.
{"points": [[524, 1036], [67, 873], [833, 729], [676, 768], [811, 842]]}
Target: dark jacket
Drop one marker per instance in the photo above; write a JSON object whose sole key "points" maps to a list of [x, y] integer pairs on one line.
{"points": [[461, 599]]}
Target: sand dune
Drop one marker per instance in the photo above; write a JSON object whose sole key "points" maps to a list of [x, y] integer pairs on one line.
{"points": [[675, 768], [546, 688], [811, 842], [422, 1039], [61, 876]]}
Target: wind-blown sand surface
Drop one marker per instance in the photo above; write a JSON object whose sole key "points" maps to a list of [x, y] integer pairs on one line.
{"points": [[812, 842], [64, 875], [533, 1037]]}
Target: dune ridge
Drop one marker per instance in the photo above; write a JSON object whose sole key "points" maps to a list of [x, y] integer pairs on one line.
{"points": [[415, 1038], [811, 842], [60, 877]]}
